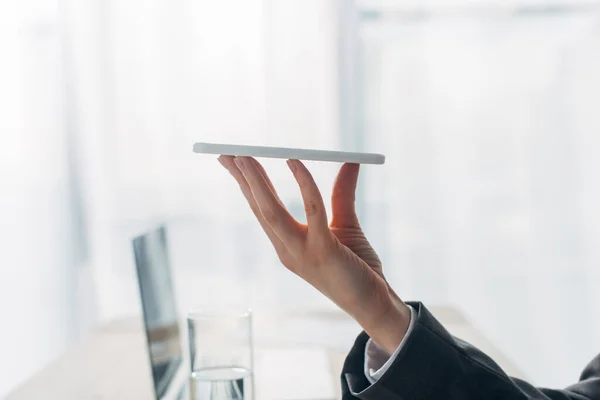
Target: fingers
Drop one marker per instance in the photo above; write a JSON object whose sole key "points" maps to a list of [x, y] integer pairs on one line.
{"points": [[343, 197], [229, 164], [273, 212], [266, 177], [316, 215]]}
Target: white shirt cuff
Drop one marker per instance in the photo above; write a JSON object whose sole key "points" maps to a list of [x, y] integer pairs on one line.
{"points": [[377, 361]]}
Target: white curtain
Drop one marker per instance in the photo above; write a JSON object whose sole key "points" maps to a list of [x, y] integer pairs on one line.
{"points": [[40, 251], [178, 72], [102, 101], [488, 197]]}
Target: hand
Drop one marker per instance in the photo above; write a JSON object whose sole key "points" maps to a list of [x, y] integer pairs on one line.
{"points": [[336, 259]]}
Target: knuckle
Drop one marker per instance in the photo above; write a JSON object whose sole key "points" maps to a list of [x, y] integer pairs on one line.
{"points": [[311, 208]]}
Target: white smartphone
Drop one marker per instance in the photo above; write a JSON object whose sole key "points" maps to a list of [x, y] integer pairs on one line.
{"points": [[289, 153]]}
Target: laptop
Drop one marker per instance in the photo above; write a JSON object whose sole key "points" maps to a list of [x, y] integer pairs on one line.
{"points": [[161, 322], [169, 369]]}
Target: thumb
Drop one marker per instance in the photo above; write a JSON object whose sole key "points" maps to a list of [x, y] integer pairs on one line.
{"points": [[343, 197]]}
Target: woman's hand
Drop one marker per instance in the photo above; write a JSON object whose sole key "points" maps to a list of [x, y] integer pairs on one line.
{"points": [[336, 259]]}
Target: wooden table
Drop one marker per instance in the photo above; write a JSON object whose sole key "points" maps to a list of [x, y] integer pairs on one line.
{"points": [[112, 361]]}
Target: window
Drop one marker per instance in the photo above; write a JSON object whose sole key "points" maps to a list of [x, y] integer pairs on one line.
{"points": [[486, 114]]}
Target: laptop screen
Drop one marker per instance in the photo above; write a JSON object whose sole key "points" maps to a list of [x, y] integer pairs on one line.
{"points": [[158, 304]]}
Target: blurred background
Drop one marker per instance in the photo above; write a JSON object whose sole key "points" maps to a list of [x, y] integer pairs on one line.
{"points": [[486, 110]]}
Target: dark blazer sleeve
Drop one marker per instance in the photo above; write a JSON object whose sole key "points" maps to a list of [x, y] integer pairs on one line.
{"points": [[433, 364]]}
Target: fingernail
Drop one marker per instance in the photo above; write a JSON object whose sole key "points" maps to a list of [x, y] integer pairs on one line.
{"points": [[239, 162], [292, 165]]}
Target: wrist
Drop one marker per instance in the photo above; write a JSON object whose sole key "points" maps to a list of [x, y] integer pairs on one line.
{"points": [[390, 326]]}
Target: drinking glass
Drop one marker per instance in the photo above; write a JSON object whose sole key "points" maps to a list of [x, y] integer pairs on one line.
{"points": [[221, 354]]}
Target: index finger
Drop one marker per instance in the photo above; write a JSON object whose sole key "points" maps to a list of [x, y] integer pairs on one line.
{"points": [[273, 212], [229, 164]]}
